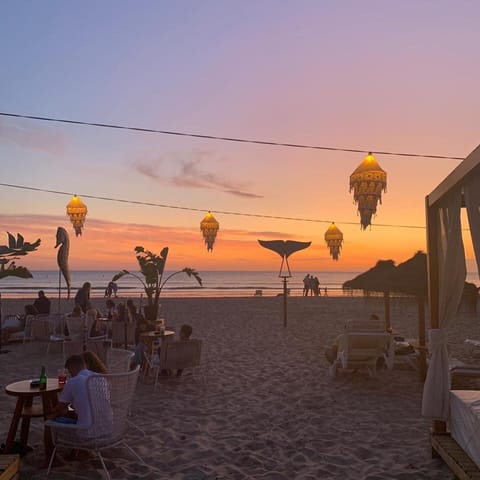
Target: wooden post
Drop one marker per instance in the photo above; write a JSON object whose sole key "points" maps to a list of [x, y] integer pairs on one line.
{"points": [[433, 235], [284, 301], [422, 361], [386, 297]]}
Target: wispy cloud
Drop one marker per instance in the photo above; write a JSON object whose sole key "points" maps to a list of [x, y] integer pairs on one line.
{"points": [[36, 138], [190, 173]]}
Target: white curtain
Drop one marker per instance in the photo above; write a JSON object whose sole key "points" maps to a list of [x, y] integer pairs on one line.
{"points": [[452, 274], [472, 202]]}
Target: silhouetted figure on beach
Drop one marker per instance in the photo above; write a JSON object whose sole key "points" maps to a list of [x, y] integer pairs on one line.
{"points": [[42, 303], [306, 285], [82, 297], [111, 289]]}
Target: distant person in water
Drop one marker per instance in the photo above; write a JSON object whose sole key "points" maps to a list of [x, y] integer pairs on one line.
{"points": [[42, 303], [82, 297]]}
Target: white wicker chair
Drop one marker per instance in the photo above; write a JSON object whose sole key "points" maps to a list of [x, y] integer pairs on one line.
{"points": [[110, 397], [76, 328], [119, 360], [176, 355], [77, 347], [119, 330]]}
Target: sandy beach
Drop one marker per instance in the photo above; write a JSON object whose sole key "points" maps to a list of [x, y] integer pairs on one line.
{"points": [[262, 405]]}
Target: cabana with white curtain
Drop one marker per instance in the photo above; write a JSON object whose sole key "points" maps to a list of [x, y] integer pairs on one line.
{"points": [[447, 274]]}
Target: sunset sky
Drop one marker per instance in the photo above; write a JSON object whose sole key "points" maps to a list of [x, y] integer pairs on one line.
{"points": [[371, 75]]}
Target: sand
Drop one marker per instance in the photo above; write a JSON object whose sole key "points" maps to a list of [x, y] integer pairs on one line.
{"points": [[262, 405]]}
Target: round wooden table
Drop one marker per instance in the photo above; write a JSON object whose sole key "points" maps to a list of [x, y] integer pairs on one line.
{"points": [[25, 409], [148, 338]]}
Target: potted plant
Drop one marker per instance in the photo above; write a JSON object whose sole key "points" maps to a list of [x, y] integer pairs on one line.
{"points": [[152, 267]]}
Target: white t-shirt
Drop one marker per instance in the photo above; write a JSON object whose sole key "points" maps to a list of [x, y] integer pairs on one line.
{"points": [[75, 392]]}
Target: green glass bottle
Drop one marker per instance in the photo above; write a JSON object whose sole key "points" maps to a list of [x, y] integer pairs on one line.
{"points": [[43, 379]]}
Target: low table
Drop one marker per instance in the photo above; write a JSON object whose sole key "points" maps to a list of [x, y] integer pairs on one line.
{"points": [[25, 409]]}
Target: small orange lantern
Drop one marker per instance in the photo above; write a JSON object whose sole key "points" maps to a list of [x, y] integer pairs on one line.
{"points": [[77, 211], [367, 182], [209, 227], [334, 239]]}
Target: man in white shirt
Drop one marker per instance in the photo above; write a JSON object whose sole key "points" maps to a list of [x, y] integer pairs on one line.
{"points": [[74, 394]]}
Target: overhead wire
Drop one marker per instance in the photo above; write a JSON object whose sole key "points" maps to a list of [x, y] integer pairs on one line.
{"points": [[226, 139], [219, 138], [196, 209]]}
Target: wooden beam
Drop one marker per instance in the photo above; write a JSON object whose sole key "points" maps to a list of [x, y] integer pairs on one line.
{"points": [[454, 456], [469, 166]]}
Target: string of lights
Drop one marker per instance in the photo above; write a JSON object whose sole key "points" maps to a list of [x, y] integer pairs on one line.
{"points": [[194, 209], [226, 139]]}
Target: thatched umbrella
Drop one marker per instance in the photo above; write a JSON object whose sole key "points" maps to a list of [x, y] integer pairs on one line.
{"points": [[372, 280], [409, 277]]}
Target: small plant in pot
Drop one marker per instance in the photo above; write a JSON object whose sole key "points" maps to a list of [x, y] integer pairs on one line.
{"points": [[152, 267]]}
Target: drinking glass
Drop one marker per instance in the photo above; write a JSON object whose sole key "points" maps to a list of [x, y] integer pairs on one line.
{"points": [[62, 376]]}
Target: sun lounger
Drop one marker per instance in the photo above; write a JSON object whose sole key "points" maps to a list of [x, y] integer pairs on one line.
{"points": [[361, 350]]}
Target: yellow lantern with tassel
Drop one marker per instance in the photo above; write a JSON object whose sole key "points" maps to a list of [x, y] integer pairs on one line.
{"points": [[209, 227], [77, 211], [367, 182], [334, 239]]}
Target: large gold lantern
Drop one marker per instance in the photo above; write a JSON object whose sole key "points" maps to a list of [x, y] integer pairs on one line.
{"points": [[77, 211], [367, 182], [334, 239], [209, 227]]}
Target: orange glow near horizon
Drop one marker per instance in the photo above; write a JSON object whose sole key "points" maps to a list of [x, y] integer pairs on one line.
{"points": [[110, 246]]}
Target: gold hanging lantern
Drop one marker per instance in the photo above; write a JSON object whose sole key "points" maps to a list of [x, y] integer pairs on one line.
{"points": [[77, 211], [367, 182], [334, 239], [209, 227]]}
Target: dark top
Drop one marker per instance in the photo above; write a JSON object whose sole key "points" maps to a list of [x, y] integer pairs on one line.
{"points": [[82, 298], [42, 304]]}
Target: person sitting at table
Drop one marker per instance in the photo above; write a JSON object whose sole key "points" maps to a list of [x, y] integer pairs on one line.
{"points": [[75, 395], [82, 297], [18, 323], [93, 363], [91, 319], [111, 310], [42, 303], [131, 311]]}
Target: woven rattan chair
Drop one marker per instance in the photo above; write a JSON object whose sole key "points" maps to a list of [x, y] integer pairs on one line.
{"points": [[119, 330], [119, 360], [77, 347], [76, 328], [110, 397], [176, 355]]}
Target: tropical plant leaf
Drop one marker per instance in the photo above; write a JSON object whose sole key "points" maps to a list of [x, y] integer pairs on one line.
{"points": [[191, 272], [14, 271], [119, 275]]}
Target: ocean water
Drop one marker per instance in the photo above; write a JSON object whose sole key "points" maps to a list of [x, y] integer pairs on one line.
{"points": [[215, 284]]}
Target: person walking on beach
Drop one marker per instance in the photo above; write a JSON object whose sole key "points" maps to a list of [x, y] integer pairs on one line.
{"points": [[42, 303], [306, 285], [111, 289], [82, 298]]}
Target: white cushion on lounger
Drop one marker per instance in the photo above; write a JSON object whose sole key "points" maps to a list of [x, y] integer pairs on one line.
{"points": [[465, 421]]}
